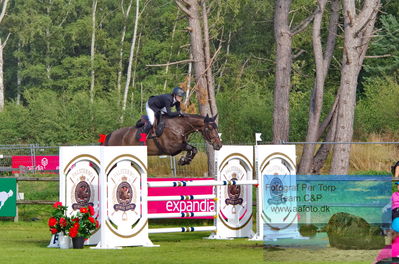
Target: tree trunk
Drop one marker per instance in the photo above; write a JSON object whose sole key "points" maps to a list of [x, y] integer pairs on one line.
{"points": [[120, 64], [210, 86], [204, 95], [197, 49], [135, 67], [129, 68], [189, 77], [322, 154], [47, 40], [2, 92], [322, 66], [208, 63], [19, 78], [357, 33], [2, 45], [282, 88], [92, 49]]}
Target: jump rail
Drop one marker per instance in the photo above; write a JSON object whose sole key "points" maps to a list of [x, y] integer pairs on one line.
{"points": [[200, 183], [181, 229]]}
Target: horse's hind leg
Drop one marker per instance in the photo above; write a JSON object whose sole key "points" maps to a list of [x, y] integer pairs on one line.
{"points": [[191, 152]]}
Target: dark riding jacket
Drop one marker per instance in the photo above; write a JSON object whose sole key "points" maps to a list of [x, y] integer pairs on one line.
{"points": [[156, 103]]}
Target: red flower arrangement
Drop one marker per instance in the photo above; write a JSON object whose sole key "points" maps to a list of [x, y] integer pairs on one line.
{"points": [[59, 222], [83, 224]]}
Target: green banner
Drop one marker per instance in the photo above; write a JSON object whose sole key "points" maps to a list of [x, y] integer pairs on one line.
{"points": [[8, 197]]}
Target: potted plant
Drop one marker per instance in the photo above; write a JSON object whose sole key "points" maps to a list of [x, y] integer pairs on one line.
{"points": [[60, 223], [83, 224]]}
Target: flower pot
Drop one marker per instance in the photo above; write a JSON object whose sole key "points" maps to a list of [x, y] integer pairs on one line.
{"points": [[64, 241], [78, 242]]}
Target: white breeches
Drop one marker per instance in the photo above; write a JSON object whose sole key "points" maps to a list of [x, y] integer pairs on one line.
{"points": [[151, 113]]}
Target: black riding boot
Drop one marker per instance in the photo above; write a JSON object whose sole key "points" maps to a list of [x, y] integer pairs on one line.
{"points": [[159, 128]]}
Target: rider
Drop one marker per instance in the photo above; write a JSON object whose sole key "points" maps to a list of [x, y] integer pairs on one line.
{"points": [[161, 104]]}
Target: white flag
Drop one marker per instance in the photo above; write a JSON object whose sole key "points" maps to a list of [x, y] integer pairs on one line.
{"points": [[257, 137]]}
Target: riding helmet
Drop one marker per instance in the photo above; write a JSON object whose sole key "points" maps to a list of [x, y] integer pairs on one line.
{"points": [[178, 91]]}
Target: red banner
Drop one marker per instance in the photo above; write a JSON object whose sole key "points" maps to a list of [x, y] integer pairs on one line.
{"points": [[38, 163]]}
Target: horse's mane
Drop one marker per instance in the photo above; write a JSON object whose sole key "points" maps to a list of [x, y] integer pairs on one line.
{"points": [[187, 115], [195, 116]]}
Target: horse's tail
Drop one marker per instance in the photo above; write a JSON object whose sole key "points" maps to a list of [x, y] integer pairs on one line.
{"points": [[103, 139]]}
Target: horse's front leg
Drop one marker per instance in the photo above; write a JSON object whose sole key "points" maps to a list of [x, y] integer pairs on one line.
{"points": [[191, 152]]}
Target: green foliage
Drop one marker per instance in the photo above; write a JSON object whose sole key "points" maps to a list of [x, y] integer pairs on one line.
{"points": [[50, 118], [386, 44], [378, 110], [12, 123], [47, 65], [299, 115], [243, 113], [371, 172]]}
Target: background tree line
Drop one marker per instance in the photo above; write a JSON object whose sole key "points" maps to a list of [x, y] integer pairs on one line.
{"points": [[73, 69]]}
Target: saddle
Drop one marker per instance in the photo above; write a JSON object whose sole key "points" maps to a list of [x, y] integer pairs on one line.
{"points": [[155, 131]]}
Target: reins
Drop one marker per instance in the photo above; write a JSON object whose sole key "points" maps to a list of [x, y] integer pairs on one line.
{"points": [[205, 129]]}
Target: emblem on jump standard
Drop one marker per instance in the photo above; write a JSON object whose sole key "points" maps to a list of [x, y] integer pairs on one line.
{"points": [[276, 192], [234, 193], [124, 195], [82, 194]]}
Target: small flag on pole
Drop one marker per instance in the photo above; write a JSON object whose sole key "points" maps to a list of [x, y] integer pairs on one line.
{"points": [[258, 137]]}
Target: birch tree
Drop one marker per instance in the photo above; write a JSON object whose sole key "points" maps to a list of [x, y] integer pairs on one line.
{"points": [[125, 13], [92, 49], [129, 68], [2, 45]]}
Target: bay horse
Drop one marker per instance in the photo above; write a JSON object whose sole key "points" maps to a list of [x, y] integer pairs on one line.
{"points": [[174, 138]]}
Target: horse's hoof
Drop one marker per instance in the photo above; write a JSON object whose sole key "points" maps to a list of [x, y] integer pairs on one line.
{"points": [[183, 161]]}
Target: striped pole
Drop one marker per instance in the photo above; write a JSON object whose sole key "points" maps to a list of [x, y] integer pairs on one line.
{"points": [[200, 183], [181, 197], [181, 229], [183, 214]]}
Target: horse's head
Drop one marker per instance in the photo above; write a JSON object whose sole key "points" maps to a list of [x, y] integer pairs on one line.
{"points": [[210, 132]]}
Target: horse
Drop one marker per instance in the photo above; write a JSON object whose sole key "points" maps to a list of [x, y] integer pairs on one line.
{"points": [[174, 138]]}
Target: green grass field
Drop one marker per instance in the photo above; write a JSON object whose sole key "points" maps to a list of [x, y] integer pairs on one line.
{"points": [[26, 242]]}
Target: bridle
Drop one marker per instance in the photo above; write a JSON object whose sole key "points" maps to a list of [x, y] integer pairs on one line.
{"points": [[207, 135]]}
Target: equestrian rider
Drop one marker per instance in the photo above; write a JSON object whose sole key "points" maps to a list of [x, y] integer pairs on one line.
{"points": [[162, 104]]}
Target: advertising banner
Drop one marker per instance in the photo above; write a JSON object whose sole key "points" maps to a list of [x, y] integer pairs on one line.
{"points": [[39, 163], [8, 194]]}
